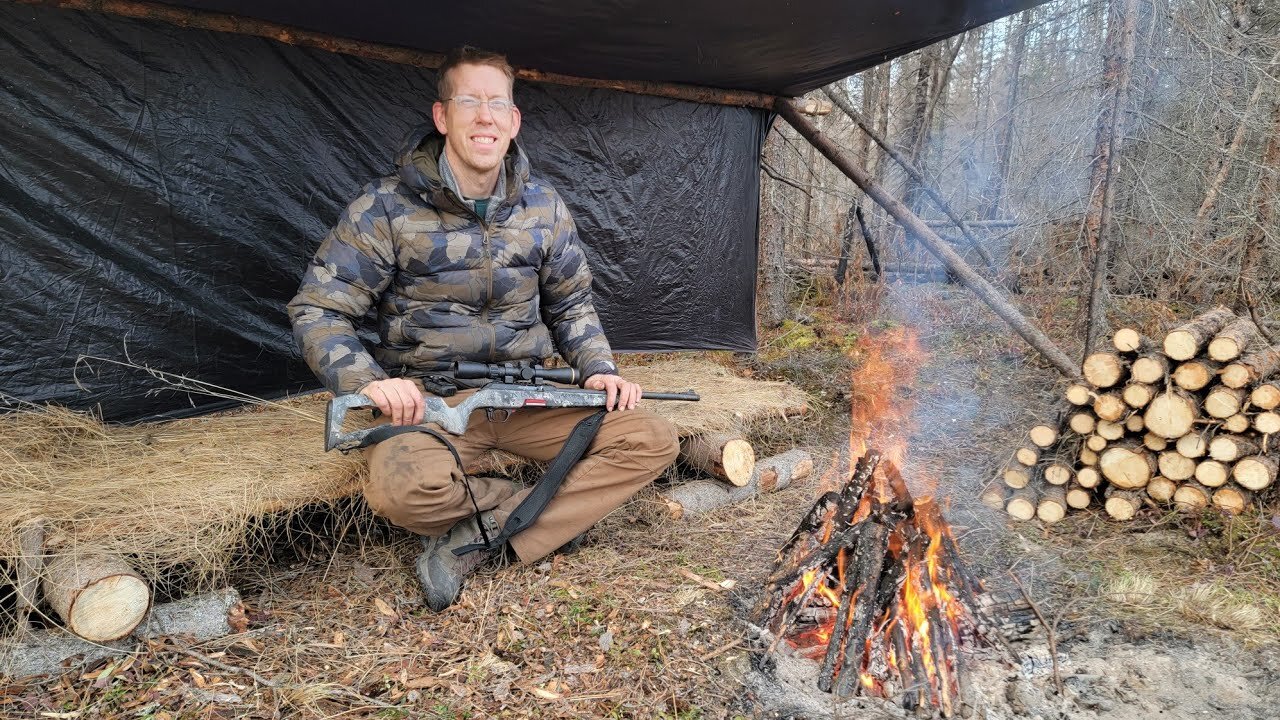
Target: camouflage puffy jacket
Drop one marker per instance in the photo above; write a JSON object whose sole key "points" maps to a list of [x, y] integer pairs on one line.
{"points": [[447, 286]]}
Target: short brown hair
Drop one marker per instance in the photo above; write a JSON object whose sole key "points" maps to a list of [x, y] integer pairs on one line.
{"points": [[467, 55]]}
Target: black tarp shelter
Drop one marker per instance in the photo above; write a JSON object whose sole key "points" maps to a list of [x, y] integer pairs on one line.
{"points": [[161, 187]]}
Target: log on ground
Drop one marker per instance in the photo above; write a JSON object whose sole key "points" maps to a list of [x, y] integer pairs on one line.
{"points": [[770, 475], [98, 597], [726, 456], [1191, 496], [1022, 503], [1161, 489], [1232, 498], [199, 618], [1052, 506], [1175, 466]]}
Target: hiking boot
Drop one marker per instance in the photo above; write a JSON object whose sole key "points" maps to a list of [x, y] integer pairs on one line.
{"points": [[440, 572], [573, 545]]}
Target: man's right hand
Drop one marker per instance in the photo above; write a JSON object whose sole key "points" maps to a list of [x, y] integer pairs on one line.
{"points": [[397, 398]]}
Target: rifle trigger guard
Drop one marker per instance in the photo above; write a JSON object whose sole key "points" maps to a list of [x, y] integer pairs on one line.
{"points": [[492, 414]]}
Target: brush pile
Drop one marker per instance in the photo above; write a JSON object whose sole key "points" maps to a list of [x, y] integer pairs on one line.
{"points": [[1189, 422]]}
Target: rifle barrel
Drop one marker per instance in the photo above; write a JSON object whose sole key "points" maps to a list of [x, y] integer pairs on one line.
{"points": [[686, 395]]}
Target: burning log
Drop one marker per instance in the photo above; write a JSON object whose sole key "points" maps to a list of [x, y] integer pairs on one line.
{"points": [[902, 598]]}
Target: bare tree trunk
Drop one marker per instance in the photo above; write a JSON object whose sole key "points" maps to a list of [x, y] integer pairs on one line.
{"points": [[1117, 71], [773, 288], [1223, 161], [1004, 143], [1267, 187]]}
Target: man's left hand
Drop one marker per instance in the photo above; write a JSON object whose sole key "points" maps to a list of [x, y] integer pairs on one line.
{"points": [[619, 393]]}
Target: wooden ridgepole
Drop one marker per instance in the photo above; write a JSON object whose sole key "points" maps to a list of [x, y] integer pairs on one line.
{"points": [[223, 22], [936, 245]]}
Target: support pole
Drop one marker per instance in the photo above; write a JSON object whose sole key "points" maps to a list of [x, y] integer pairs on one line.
{"points": [[915, 173], [936, 245]]}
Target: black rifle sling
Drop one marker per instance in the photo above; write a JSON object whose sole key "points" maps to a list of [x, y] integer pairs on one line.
{"points": [[384, 432], [527, 512]]}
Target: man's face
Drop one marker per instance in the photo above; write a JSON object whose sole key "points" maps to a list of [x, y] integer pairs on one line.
{"points": [[478, 137]]}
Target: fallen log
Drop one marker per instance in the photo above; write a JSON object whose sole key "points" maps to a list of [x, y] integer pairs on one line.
{"points": [[726, 456], [1185, 341], [199, 618], [1017, 475], [29, 568], [98, 597], [770, 475], [994, 495]]}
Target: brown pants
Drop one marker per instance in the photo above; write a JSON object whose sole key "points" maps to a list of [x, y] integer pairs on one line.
{"points": [[415, 483]]}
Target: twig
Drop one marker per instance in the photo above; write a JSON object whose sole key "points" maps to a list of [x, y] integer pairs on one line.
{"points": [[1247, 298], [720, 651], [1049, 630], [225, 667], [706, 582]]}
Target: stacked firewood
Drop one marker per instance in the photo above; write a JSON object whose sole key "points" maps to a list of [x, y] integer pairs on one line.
{"points": [[1190, 422]]}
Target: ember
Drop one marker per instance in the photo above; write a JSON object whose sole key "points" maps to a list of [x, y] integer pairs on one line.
{"points": [[872, 583]]}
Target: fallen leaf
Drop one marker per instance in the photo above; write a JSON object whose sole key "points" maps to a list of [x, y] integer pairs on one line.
{"points": [[385, 608], [545, 694]]}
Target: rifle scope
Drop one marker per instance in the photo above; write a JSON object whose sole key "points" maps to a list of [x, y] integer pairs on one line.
{"points": [[465, 370]]}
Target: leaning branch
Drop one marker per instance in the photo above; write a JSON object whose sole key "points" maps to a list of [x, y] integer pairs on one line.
{"points": [[914, 172], [936, 245]]}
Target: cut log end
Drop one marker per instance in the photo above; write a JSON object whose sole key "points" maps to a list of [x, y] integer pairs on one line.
{"points": [[1043, 436], [1128, 340], [1103, 369], [1078, 394], [1191, 497], [1185, 341], [1161, 489], [99, 597], [1123, 504], [1256, 472], [1171, 414], [725, 456], [1127, 466]]}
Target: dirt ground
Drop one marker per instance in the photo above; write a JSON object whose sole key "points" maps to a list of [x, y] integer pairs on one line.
{"points": [[1164, 617]]}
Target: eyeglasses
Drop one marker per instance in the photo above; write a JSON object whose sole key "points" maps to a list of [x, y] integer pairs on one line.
{"points": [[497, 106]]}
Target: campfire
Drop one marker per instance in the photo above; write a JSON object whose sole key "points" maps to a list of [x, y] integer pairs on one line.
{"points": [[871, 583]]}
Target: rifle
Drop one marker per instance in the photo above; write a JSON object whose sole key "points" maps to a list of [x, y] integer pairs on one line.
{"points": [[511, 386]]}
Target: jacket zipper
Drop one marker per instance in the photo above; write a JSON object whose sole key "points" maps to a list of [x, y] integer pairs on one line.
{"points": [[488, 303]]}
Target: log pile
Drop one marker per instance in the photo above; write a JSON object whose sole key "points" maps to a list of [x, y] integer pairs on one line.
{"points": [[1189, 421]]}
